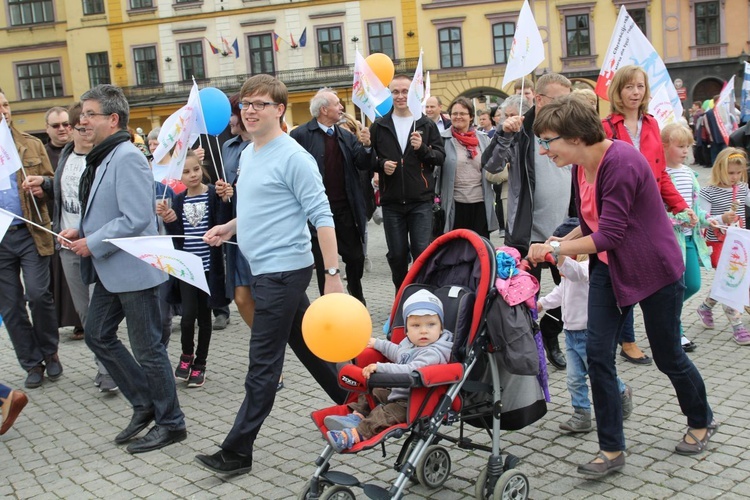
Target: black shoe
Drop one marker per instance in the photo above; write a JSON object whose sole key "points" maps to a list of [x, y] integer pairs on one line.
{"points": [[157, 438], [554, 354], [54, 368], [226, 462], [35, 377], [140, 421]]}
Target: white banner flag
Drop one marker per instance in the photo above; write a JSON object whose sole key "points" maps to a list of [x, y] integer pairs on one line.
{"points": [[368, 92], [527, 51], [416, 91], [10, 162], [5, 221], [160, 253], [180, 131], [661, 108], [629, 45], [732, 278], [724, 111]]}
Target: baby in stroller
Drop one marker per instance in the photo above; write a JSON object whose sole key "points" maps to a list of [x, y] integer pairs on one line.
{"points": [[426, 343]]}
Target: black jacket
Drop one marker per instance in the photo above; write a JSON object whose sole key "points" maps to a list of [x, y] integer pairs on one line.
{"points": [[414, 179], [740, 138], [311, 137], [218, 213]]}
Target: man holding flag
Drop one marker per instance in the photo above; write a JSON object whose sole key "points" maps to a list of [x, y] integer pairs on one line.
{"points": [[26, 250], [408, 149], [117, 201]]}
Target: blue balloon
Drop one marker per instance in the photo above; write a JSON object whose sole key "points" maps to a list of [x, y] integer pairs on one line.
{"points": [[216, 109], [384, 107]]}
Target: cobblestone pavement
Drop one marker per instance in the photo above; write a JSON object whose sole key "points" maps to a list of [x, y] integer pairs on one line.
{"points": [[62, 445]]}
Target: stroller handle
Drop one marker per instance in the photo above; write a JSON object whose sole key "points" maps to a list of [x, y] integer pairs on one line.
{"points": [[525, 266]]}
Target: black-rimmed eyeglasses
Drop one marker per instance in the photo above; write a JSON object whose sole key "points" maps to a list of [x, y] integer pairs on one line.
{"points": [[256, 105]]}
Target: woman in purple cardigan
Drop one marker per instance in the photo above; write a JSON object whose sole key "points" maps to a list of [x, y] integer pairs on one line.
{"points": [[634, 259]]}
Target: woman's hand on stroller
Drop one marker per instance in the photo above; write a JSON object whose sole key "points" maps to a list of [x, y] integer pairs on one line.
{"points": [[540, 252], [369, 370]]}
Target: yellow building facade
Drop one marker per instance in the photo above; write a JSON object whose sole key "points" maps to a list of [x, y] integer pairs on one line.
{"points": [[51, 51]]}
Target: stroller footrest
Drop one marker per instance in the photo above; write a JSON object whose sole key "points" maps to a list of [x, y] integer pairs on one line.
{"points": [[342, 478]]}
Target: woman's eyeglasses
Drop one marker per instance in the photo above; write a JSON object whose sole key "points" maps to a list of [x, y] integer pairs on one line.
{"points": [[545, 142]]}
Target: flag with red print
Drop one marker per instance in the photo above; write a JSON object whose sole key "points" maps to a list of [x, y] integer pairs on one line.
{"points": [[629, 45], [10, 162], [732, 278]]}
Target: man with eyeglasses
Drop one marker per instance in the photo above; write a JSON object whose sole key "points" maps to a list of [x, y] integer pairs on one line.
{"points": [[116, 194], [408, 149], [539, 193], [278, 191], [58, 130], [25, 251], [340, 157]]}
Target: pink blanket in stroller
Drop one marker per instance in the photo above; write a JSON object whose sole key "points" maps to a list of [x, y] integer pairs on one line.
{"points": [[518, 286]]}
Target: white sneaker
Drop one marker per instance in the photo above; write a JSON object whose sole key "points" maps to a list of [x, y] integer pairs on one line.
{"points": [[368, 264]]}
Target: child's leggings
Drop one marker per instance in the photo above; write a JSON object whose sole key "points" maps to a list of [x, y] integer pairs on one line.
{"points": [[195, 307]]}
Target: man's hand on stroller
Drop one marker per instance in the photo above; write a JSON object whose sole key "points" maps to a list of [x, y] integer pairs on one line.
{"points": [[369, 370]]}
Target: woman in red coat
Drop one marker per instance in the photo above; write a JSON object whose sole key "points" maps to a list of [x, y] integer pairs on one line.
{"points": [[629, 121]]}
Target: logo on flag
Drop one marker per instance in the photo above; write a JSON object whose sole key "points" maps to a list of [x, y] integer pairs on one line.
{"points": [[732, 278], [368, 92], [527, 50]]}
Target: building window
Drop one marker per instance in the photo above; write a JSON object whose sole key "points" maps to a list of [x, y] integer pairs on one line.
{"points": [[191, 61], [330, 47], [707, 23], [577, 35], [146, 69], [260, 48], [39, 80], [380, 38], [502, 40], [30, 12], [141, 4], [639, 18], [98, 64], [93, 7], [450, 48]]}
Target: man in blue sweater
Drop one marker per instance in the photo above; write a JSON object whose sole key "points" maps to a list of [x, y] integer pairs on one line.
{"points": [[283, 191]]}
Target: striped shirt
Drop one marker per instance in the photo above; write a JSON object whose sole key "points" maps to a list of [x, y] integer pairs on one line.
{"points": [[682, 178], [718, 200], [195, 223]]}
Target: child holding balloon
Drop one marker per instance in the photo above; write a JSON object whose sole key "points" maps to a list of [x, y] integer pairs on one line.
{"points": [[193, 212], [426, 343]]}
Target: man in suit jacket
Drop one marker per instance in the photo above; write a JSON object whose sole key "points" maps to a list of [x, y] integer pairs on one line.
{"points": [[117, 201], [339, 155]]}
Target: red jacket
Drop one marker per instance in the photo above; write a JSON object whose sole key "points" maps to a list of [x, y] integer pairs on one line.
{"points": [[652, 149]]}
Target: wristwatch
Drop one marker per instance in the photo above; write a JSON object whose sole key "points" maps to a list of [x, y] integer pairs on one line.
{"points": [[332, 271], [555, 248]]}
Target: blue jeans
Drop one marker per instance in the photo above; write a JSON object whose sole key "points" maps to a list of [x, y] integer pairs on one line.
{"points": [[144, 377], [661, 315], [578, 369], [407, 227]]}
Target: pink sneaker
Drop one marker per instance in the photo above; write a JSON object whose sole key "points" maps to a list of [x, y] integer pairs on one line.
{"points": [[706, 315], [741, 335]]}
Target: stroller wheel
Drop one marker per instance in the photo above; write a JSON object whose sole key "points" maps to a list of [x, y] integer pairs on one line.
{"points": [[512, 485], [338, 492], [434, 467], [304, 494]]}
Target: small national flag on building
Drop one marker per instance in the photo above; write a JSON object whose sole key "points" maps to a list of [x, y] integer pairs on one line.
{"points": [[236, 47], [227, 47], [303, 38], [276, 41], [213, 49]]}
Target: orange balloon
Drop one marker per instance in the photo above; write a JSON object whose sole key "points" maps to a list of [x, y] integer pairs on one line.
{"points": [[336, 327], [382, 66]]}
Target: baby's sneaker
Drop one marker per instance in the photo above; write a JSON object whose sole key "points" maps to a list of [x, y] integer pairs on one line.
{"points": [[706, 315], [343, 439], [741, 335], [341, 422]]}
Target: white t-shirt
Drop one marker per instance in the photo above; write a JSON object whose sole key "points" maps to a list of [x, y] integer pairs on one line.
{"points": [[70, 216], [404, 126]]}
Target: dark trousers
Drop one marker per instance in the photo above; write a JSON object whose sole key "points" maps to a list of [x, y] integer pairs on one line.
{"points": [[280, 304], [145, 377], [471, 216], [195, 307], [551, 323], [498, 188], [661, 315], [385, 414], [351, 250], [407, 227], [35, 339]]}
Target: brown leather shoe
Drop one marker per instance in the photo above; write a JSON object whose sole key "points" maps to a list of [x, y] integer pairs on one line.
{"points": [[11, 408]]}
